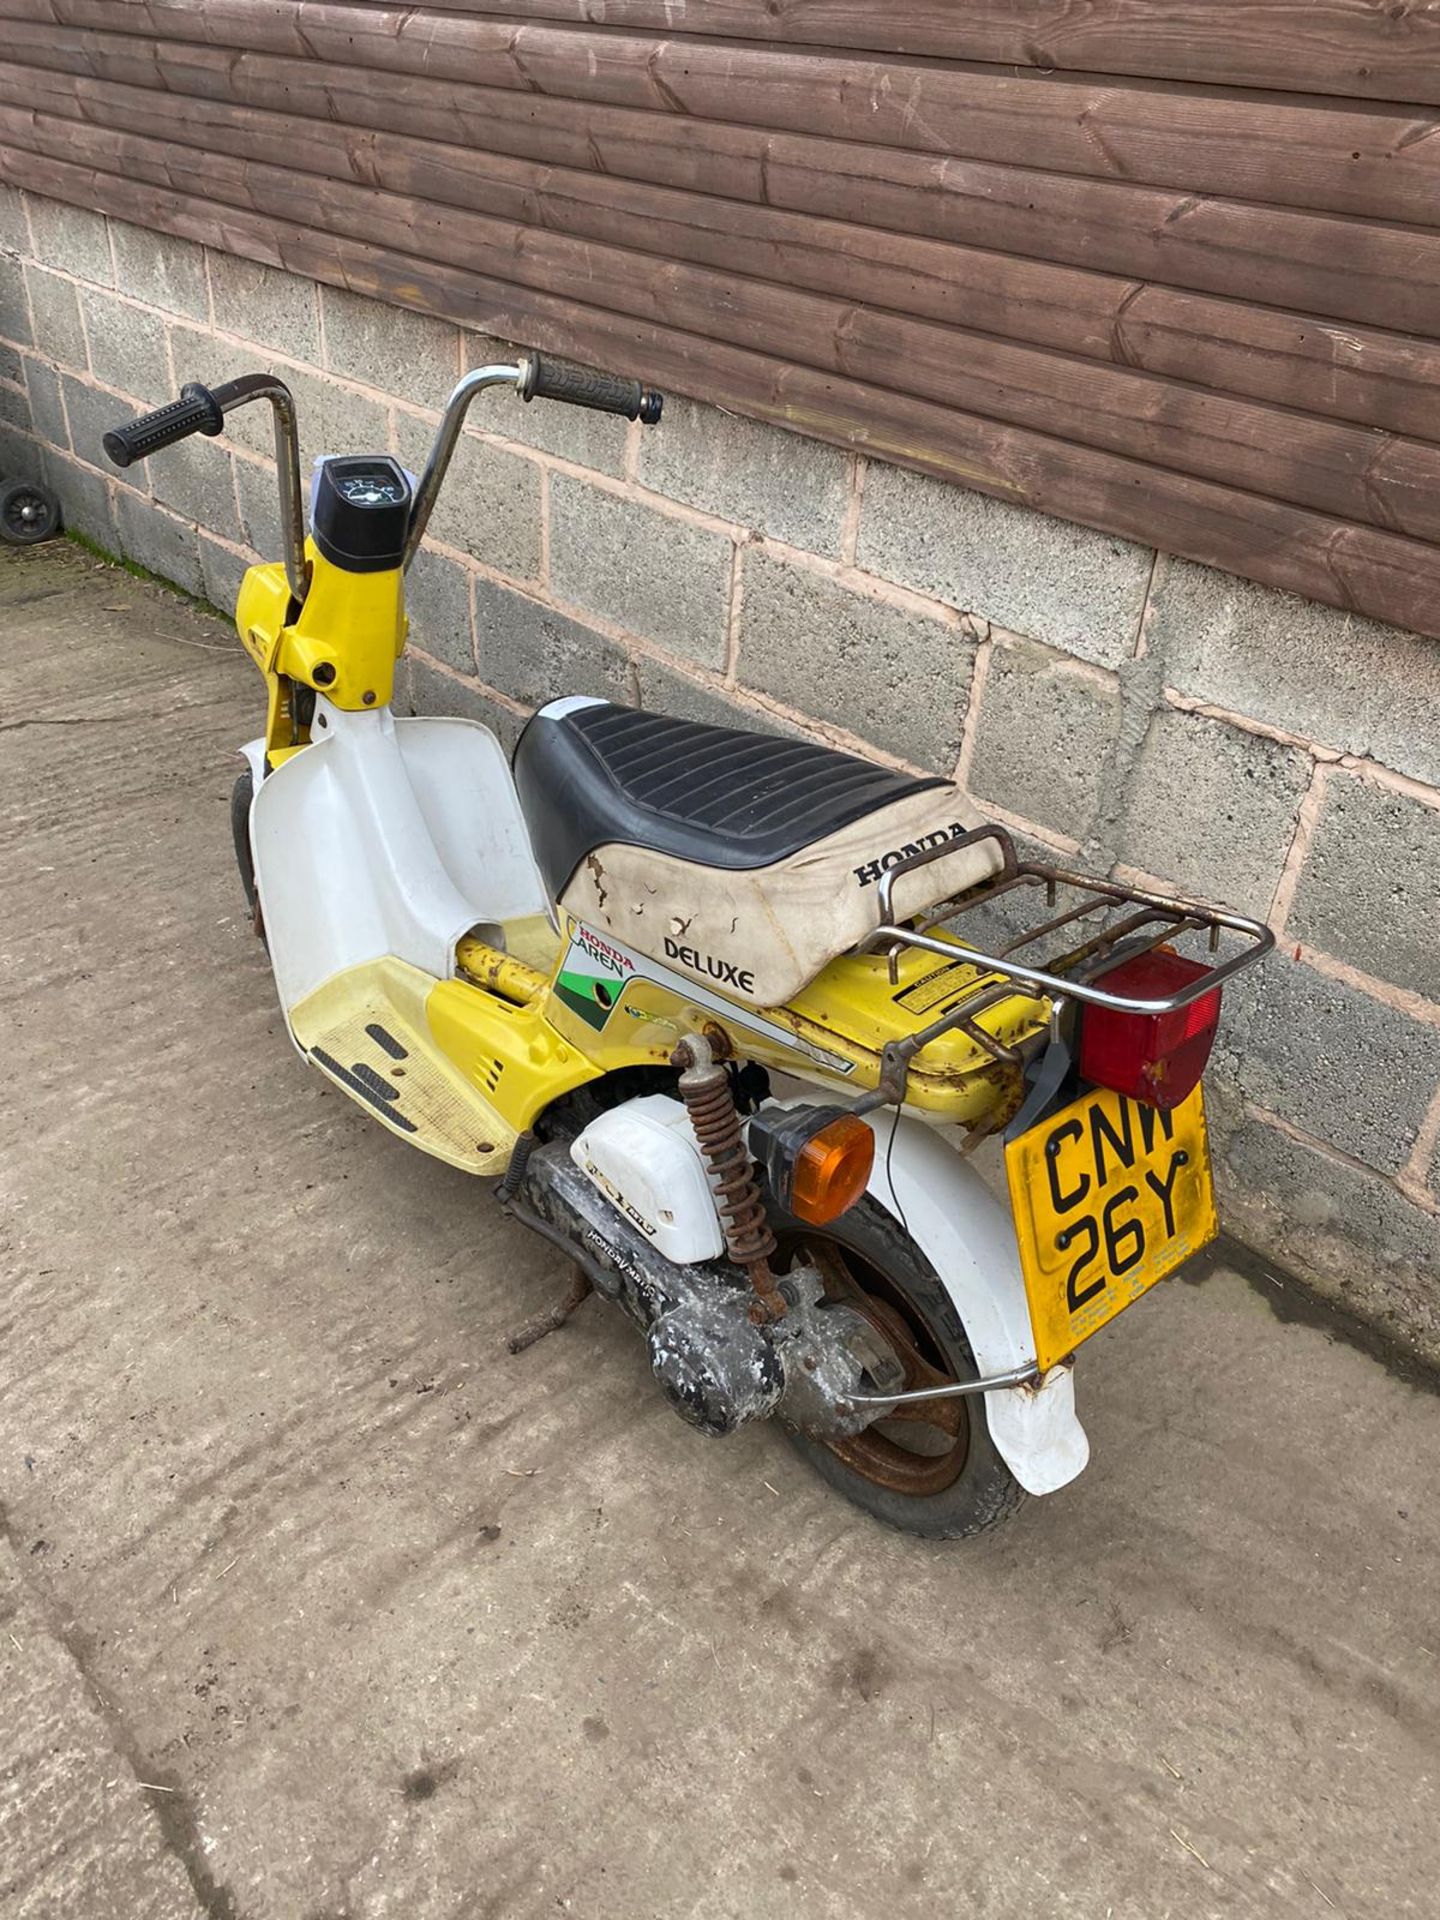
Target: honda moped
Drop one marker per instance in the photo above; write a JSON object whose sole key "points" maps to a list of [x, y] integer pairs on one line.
{"points": [[699, 1003]]}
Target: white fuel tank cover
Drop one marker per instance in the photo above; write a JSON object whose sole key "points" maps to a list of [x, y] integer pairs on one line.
{"points": [[643, 1158]]}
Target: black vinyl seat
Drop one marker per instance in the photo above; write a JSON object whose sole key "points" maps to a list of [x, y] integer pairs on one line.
{"points": [[593, 774]]}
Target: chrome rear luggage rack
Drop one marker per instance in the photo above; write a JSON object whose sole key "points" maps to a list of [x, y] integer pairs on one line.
{"points": [[1073, 975]]}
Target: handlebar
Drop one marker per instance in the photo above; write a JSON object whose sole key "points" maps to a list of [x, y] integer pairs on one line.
{"points": [[203, 409], [533, 378], [580, 387], [197, 410]]}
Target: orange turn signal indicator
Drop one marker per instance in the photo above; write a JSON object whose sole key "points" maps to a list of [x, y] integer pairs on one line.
{"points": [[816, 1160], [832, 1170]]}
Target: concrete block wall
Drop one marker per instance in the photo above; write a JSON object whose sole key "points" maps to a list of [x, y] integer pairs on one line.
{"points": [[1152, 717]]}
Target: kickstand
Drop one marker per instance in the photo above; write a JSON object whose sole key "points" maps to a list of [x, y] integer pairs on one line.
{"points": [[552, 1318]]}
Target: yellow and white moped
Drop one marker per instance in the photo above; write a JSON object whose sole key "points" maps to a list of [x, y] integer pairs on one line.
{"points": [[699, 1003]]}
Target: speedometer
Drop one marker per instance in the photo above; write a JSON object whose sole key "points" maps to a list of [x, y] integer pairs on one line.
{"points": [[377, 488]]}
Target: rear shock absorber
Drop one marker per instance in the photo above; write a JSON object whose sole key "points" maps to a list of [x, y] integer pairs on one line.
{"points": [[705, 1089]]}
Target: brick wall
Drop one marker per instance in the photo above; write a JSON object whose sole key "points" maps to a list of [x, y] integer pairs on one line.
{"points": [[1151, 715]]}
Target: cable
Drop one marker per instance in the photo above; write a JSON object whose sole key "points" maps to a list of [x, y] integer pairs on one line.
{"points": [[889, 1175]]}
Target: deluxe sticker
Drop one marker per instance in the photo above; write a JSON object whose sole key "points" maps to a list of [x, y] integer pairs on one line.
{"points": [[596, 973], [725, 971]]}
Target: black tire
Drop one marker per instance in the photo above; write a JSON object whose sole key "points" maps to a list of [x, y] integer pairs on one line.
{"points": [[241, 794], [978, 1491], [28, 514]]}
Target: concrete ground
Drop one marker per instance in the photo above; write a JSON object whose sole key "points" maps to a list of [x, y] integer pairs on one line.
{"points": [[316, 1605]]}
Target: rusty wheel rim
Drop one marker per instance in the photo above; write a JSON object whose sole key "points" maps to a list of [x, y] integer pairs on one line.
{"points": [[920, 1450]]}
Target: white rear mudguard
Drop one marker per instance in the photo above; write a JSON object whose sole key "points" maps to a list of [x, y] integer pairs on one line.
{"points": [[386, 837], [968, 1237]]}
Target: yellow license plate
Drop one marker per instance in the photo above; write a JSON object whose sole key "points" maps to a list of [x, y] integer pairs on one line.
{"points": [[1109, 1196]]}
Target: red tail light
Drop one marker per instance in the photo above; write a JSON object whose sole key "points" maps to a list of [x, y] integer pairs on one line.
{"points": [[1157, 1058]]}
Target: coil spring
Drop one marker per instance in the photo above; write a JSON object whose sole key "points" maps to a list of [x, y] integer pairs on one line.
{"points": [[711, 1106]]}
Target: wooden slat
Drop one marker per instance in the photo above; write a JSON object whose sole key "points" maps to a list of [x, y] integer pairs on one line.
{"points": [[1359, 568], [1331, 47], [1379, 378], [1374, 160], [1350, 472]]}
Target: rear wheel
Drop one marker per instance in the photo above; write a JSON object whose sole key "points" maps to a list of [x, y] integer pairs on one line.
{"points": [[932, 1469]]}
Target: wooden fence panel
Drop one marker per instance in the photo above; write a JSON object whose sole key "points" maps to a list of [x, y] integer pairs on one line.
{"points": [[1351, 157], [1068, 254], [1387, 380], [1352, 48]]}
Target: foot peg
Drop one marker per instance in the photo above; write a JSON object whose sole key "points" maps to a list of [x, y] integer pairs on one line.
{"points": [[536, 1328]]}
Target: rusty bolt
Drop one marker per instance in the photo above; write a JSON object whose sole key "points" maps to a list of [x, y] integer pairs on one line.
{"points": [[720, 1044]]}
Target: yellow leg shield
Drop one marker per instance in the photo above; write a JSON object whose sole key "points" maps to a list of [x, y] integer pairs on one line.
{"points": [[366, 1029]]}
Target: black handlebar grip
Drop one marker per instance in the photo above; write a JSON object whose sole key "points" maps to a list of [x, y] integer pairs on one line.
{"points": [[605, 392], [196, 411]]}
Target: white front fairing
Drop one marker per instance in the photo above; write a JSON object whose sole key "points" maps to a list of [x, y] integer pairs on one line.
{"points": [[968, 1237], [386, 837]]}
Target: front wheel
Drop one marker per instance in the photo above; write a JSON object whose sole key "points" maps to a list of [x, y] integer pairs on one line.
{"points": [[932, 1469], [241, 795]]}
